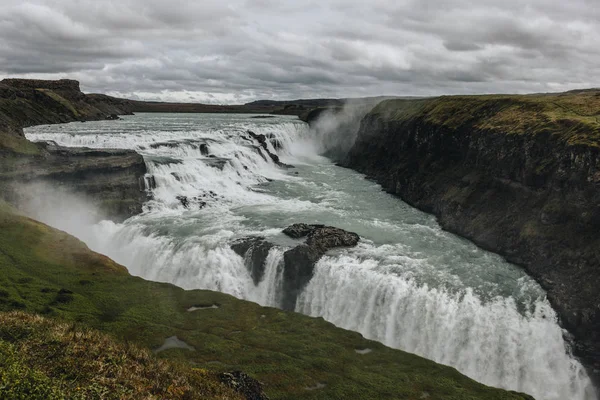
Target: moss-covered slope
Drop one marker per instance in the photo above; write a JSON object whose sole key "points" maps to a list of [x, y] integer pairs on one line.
{"points": [[572, 116], [44, 359], [46, 271]]}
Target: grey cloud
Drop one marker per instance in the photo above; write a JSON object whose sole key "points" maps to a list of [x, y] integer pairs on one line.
{"points": [[454, 45], [240, 50]]}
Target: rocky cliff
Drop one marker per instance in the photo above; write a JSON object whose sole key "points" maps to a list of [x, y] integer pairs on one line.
{"points": [[113, 180], [518, 175]]}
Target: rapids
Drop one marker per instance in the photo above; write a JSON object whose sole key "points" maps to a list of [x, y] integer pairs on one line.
{"points": [[408, 284]]}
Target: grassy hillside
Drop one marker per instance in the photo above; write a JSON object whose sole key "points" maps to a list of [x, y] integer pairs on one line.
{"points": [[48, 272], [575, 116], [42, 359]]}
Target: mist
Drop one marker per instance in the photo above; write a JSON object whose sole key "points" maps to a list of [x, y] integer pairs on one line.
{"points": [[59, 207], [336, 129]]}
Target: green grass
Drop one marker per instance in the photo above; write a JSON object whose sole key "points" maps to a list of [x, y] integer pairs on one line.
{"points": [[59, 99], [573, 116], [17, 144], [48, 272]]}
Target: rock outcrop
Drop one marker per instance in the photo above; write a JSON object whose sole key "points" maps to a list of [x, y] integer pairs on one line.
{"points": [[247, 386], [255, 251], [263, 141], [299, 262], [113, 180], [518, 175]]}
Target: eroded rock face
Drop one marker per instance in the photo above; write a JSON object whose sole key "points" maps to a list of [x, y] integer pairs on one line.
{"points": [[532, 198], [327, 237], [243, 384], [255, 251], [262, 139], [112, 181], [300, 261]]}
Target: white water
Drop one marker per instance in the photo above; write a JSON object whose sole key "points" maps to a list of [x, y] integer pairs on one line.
{"points": [[408, 284]]}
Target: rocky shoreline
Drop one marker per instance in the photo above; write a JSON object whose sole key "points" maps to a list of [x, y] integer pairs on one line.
{"points": [[529, 193]]}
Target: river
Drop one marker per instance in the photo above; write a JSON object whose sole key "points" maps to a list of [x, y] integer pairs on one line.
{"points": [[408, 284]]}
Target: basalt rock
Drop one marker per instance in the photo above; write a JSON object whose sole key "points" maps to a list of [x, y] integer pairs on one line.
{"points": [[255, 251], [247, 386], [507, 175], [298, 231], [299, 262], [262, 140], [112, 181]]}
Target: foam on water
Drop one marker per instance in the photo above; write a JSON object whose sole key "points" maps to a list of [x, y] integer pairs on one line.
{"points": [[408, 284]]}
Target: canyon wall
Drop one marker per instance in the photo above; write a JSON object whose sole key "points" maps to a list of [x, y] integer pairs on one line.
{"points": [[518, 175], [112, 180]]}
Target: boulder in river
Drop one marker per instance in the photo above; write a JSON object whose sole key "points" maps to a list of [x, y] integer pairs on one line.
{"points": [[301, 260], [255, 251]]}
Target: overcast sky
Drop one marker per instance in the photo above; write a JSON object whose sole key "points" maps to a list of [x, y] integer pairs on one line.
{"points": [[238, 51]]}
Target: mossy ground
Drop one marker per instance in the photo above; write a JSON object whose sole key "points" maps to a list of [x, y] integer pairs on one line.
{"points": [[44, 359], [14, 144], [574, 116], [48, 272], [58, 98]]}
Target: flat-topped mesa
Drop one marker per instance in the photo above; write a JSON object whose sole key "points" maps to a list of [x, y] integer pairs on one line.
{"points": [[61, 84]]}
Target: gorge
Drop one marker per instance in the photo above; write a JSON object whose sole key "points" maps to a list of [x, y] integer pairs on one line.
{"points": [[211, 182]]}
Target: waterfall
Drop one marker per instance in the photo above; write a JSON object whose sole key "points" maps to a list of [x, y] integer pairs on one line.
{"points": [[408, 285], [489, 341]]}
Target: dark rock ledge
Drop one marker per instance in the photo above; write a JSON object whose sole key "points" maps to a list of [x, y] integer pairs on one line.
{"points": [[301, 260], [262, 140], [298, 262]]}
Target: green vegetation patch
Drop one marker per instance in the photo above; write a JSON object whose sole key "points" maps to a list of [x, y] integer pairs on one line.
{"points": [[573, 116], [59, 99], [44, 359], [45, 271], [17, 144]]}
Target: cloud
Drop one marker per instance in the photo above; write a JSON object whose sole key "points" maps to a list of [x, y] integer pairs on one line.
{"points": [[241, 50]]}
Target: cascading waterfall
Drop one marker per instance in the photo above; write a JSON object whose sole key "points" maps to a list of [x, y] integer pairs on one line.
{"points": [[408, 284], [490, 340]]}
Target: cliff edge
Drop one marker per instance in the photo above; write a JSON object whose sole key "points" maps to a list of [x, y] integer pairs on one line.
{"points": [[518, 175], [112, 179]]}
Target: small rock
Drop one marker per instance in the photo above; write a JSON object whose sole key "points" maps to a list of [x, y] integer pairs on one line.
{"points": [[244, 384]]}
